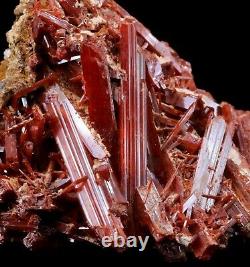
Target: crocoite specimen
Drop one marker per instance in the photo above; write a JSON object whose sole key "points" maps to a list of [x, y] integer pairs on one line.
{"points": [[108, 134]]}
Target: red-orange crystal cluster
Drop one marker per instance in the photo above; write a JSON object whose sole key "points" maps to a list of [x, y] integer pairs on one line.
{"points": [[115, 130]]}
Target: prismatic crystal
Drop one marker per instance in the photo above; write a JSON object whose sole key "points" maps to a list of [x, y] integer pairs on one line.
{"points": [[104, 132]]}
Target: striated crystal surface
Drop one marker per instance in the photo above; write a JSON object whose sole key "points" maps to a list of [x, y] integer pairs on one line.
{"points": [[132, 114], [212, 162], [96, 199]]}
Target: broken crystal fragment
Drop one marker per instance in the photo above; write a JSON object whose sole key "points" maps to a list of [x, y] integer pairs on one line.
{"points": [[152, 212]]}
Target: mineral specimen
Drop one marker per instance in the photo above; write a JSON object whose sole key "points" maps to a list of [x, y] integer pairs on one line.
{"points": [[102, 128]]}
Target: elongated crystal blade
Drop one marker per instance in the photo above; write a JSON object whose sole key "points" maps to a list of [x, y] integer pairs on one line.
{"points": [[132, 114], [220, 168], [211, 163], [160, 47], [178, 127], [58, 22], [89, 141], [95, 198], [98, 91]]}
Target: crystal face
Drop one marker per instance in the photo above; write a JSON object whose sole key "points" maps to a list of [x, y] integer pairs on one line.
{"points": [[132, 114], [98, 91], [113, 137], [96, 197]]}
